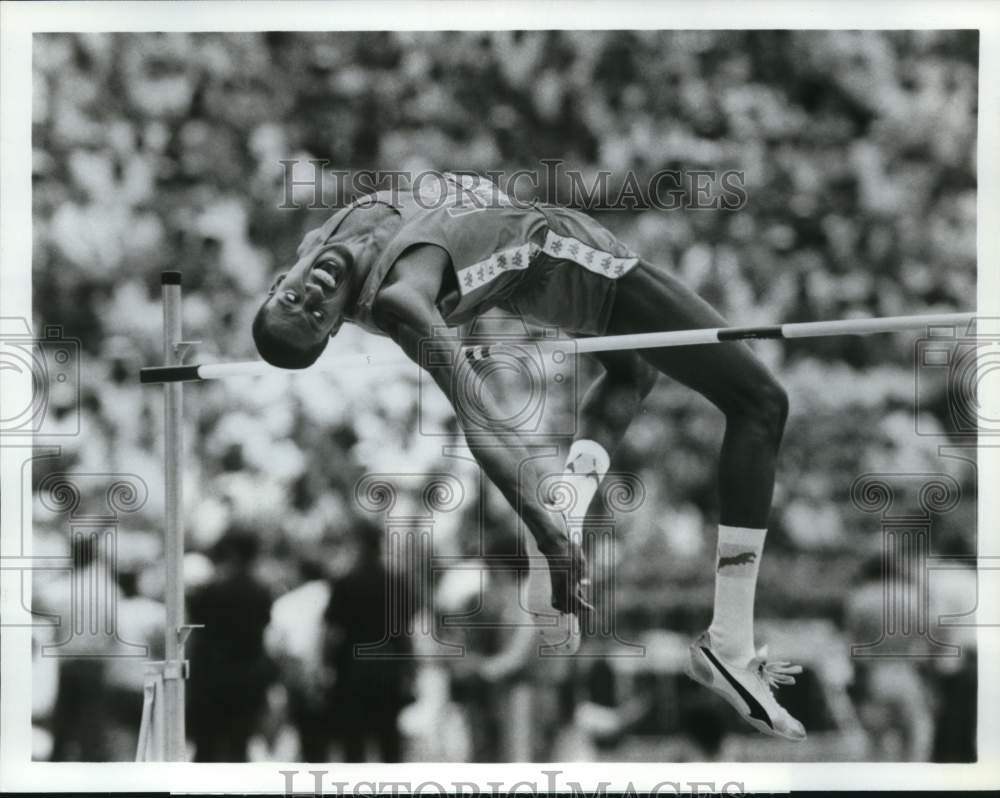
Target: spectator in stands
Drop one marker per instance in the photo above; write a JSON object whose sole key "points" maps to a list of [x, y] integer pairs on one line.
{"points": [[82, 718], [370, 650], [139, 624], [230, 671], [294, 640], [489, 680], [891, 694]]}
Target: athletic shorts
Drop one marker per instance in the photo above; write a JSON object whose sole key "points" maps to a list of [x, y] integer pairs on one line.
{"points": [[572, 279]]}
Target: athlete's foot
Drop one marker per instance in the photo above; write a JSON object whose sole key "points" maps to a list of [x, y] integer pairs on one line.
{"points": [[749, 689], [545, 594], [567, 574]]}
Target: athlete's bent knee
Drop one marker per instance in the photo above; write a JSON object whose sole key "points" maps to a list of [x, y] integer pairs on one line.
{"points": [[645, 379], [764, 407], [771, 408]]}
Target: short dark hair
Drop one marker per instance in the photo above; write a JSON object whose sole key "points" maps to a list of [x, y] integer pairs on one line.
{"points": [[277, 350]]}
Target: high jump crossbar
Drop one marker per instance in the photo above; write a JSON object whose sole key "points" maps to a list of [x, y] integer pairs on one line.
{"points": [[176, 372]]}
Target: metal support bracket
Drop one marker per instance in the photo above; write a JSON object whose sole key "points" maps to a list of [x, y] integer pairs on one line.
{"points": [[176, 669], [154, 667], [184, 632], [183, 348]]}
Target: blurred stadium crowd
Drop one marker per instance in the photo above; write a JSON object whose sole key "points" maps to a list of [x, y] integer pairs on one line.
{"points": [[161, 151]]}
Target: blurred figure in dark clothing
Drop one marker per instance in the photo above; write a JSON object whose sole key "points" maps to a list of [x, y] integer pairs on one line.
{"points": [[80, 718], [500, 681], [706, 727], [955, 723], [485, 691], [230, 672], [371, 609], [954, 680], [82, 715], [892, 694]]}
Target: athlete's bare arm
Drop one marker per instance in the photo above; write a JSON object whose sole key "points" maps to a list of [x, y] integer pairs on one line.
{"points": [[406, 311]]}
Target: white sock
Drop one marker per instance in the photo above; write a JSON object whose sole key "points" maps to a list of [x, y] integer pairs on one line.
{"points": [[737, 561], [586, 465]]}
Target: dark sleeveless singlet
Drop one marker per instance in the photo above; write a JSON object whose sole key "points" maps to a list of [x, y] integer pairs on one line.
{"points": [[547, 264]]}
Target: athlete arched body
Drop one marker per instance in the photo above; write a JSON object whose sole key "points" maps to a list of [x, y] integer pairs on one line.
{"points": [[404, 264]]}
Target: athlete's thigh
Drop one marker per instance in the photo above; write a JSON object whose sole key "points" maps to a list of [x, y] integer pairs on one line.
{"points": [[650, 299]]}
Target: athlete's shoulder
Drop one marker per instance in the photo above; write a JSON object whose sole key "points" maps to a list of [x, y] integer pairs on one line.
{"points": [[419, 269], [364, 214], [413, 283]]}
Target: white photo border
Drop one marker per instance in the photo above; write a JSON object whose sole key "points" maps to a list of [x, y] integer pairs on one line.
{"points": [[20, 20]]}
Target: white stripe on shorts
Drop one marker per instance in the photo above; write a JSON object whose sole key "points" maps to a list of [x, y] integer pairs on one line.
{"points": [[595, 260], [486, 271], [563, 247]]}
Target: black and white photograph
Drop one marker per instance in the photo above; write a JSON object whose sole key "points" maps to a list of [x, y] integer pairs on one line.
{"points": [[591, 400]]}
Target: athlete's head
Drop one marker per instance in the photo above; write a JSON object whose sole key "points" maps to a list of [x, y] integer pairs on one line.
{"points": [[307, 305]]}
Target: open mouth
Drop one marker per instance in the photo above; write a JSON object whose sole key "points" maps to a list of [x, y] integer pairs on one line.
{"points": [[321, 276]]}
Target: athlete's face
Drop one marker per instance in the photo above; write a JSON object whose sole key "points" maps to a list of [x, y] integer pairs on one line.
{"points": [[309, 300]]}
